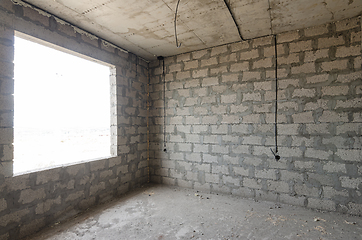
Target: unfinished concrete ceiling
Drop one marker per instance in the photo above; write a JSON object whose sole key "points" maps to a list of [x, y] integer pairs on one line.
{"points": [[146, 27]]}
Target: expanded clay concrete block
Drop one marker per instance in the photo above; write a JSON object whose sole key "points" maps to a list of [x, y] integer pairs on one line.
{"points": [[6, 135], [312, 56], [348, 51], [321, 204], [190, 65], [334, 65]]}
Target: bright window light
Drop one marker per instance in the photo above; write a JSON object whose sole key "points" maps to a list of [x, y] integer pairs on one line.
{"points": [[62, 108]]}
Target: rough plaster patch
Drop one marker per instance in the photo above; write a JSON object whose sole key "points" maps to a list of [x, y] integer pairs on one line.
{"points": [[23, 4]]}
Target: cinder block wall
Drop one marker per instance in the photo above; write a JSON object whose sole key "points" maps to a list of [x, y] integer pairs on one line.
{"points": [[220, 105], [31, 201]]}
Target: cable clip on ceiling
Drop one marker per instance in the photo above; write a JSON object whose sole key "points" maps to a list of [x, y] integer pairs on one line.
{"points": [[177, 44]]}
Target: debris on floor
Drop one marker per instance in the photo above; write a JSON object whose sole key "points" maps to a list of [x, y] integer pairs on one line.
{"points": [[176, 213]]}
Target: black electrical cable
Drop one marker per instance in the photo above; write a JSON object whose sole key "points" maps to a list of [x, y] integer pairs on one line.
{"points": [[276, 154], [164, 100], [164, 104], [177, 45], [276, 93], [148, 122]]}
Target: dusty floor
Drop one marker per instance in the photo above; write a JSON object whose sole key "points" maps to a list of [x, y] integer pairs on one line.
{"points": [[162, 212]]}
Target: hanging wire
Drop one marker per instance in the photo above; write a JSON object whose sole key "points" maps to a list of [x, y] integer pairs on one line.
{"points": [[148, 122], [276, 93], [276, 154], [164, 105], [177, 44], [164, 100]]}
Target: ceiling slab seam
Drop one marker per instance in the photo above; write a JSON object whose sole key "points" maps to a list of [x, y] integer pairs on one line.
{"points": [[238, 27], [271, 20], [232, 16], [75, 28], [183, 23]]}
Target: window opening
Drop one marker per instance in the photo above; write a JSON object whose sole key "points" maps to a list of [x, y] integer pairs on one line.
{"points": [[61, 107]]}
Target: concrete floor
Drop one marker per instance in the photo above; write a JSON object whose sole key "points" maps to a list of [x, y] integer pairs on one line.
{"points": [[163, 212]]}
